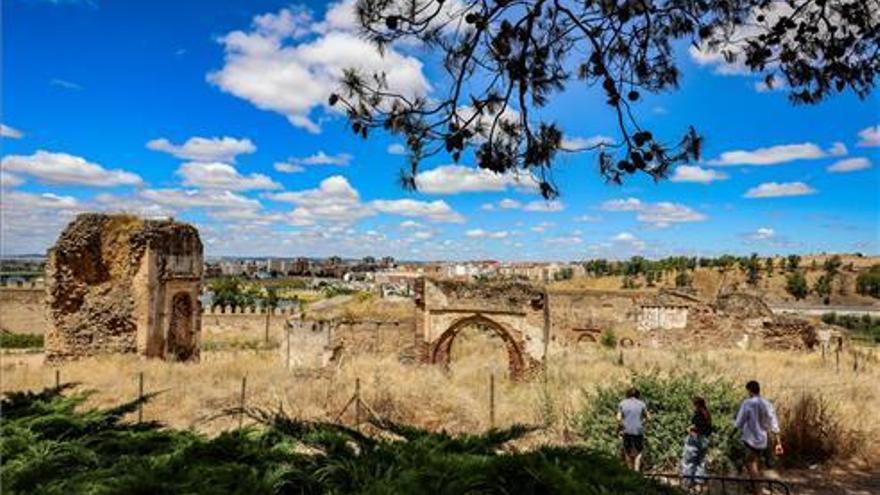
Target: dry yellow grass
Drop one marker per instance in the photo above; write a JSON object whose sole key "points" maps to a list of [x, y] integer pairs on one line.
{"points": [[428, 396]]}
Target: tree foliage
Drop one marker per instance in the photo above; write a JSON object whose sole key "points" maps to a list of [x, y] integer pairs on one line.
{"points": [[796, 285], [868, 283], [505, 60]]}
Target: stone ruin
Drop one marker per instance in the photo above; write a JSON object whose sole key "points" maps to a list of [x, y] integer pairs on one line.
{"points": [[122, 284]]}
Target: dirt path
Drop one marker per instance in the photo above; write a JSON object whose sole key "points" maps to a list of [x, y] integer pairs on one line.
{"points": [[834, 481]]}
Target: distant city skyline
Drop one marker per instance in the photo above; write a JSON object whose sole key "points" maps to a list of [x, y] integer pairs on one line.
{"points": [[217, 115]]}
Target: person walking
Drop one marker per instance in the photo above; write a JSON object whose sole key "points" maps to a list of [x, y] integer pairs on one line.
{"points": [[632, 413], [696, 446], [756, 420]]}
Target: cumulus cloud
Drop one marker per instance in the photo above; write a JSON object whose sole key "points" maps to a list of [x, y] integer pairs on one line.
{"points": [[31, 222], [434, 211], [588, 219], [544, 206], [849, 165], [695, 173], [290, 64], [61, 168], [288, 168], [191, 198], [779, 189], [838, 149], [396, 149], [336, 200], [202, 149], [576, 143], [628, 240], [869, 137], [8, 181], [222, 176], [566, 240], [10, 132], [321, 158], [772, 155], [661, 214], [454, 179], [762, 234], [410, 224], [488, 234]]}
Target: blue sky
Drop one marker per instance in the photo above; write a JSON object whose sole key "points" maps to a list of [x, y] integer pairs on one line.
{"points": [[214, 112]]}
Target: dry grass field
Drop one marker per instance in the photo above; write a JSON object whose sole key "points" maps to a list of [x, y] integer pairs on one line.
{"points": [[458, 400]]}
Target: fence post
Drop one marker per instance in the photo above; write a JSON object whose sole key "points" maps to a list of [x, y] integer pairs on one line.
{"points": [[241, 401], [140, 397], [492, 400], [268, 315], [57, 378], [837, 360], [287, 361], [357, 404]]}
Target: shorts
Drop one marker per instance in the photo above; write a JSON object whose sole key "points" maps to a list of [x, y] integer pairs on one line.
{"points": [[753, 452], [633, 443]]}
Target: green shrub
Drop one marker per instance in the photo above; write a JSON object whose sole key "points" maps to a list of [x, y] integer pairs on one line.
{"points": [[608, 339], [9, 340], [669, 403], [48, 446], [868, 282]]}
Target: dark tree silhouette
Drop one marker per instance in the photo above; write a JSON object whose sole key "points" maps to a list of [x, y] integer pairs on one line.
{"points": [[505, 59]]}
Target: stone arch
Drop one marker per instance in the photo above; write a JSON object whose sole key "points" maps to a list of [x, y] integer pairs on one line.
{"points": [[180, 343], [440, 353]]}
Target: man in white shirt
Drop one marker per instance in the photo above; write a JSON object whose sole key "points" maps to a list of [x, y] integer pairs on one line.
{"points": [[631, 415], [755, 420]]}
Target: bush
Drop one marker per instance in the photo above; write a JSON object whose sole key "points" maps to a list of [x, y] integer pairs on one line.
{"points": [[50, 447], [9, 340], [868, 283], [608, 339], [796, 285], [812, 432], [669, 403]]}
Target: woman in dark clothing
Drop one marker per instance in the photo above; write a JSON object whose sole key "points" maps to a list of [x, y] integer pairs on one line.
{"points": [[696, 445]]}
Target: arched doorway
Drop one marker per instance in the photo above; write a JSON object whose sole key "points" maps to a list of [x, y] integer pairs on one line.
{"points": [[441, 352], [180, 344]]}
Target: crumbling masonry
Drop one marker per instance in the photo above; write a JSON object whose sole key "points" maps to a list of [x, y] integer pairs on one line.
{"points": [[122, 284]]}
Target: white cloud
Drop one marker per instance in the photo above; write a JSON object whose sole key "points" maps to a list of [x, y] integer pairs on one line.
{"points": [[25, 200], [31, 222], [779, 189], [541, 227], [182, 198], [61, 168], [222, 176], [762, 234], [628, 240], [410, 224], [454, 179], [588, 219], [869, 136], [65, 84], [435, 211], [628, 204], [288, 168], [334, 190], [8, 181], [770, 156], [762, 86], [661, 214], [396, 149], [509, 204], [838, 149], [571, 240], [850, 165], [488, 234], [576, 143], [287, 66], [202, 149], [10, 132], [544, 206], [695, 173], [321, 158]]}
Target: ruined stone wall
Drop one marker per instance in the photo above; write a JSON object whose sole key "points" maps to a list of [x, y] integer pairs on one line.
{"points": [[574, 312], [23, 310], [121, 284], [315, 343]]}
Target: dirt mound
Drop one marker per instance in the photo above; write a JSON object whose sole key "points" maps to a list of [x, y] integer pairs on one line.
{"points": [[743, 305]]}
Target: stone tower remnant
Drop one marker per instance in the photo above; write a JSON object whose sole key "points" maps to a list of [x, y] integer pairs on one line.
{"points": [[123, 284]]}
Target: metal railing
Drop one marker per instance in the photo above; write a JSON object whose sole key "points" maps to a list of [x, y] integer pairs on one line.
{"points": [[722, 485]]}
